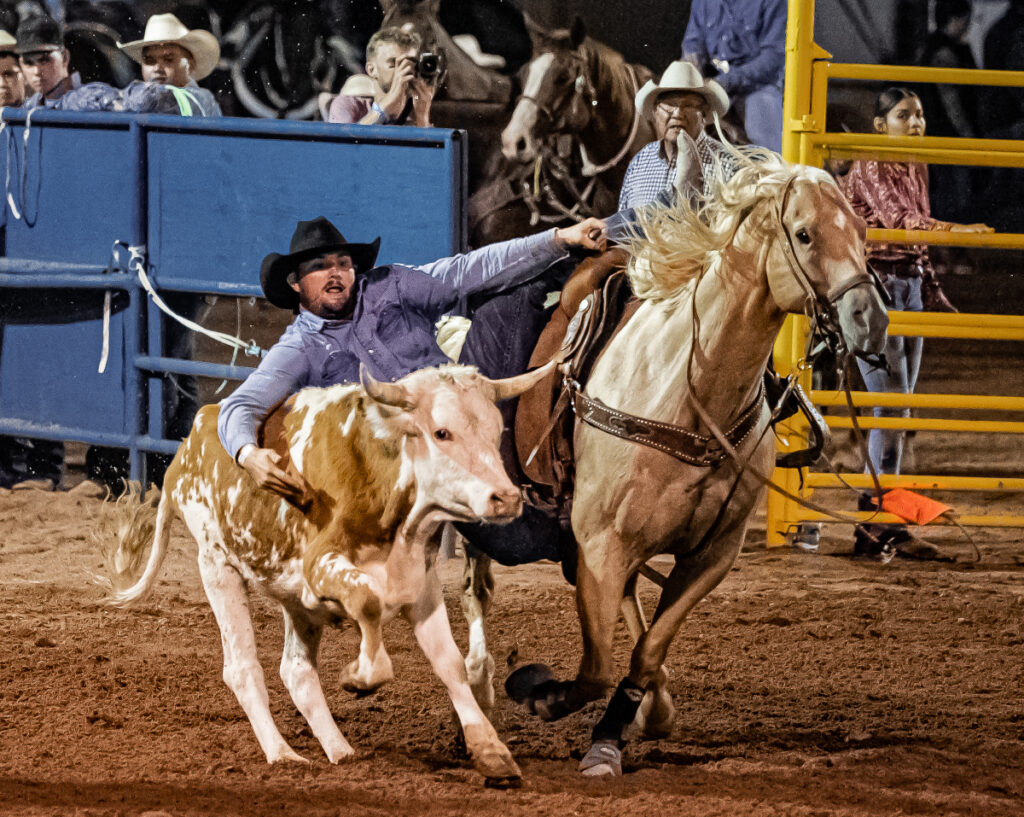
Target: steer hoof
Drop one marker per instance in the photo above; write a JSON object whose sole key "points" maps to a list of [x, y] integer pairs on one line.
{"points": [[521, 683], [603, 760], [287, 755]]}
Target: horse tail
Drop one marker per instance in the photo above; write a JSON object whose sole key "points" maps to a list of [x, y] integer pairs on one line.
{"points": [[135, 521]]}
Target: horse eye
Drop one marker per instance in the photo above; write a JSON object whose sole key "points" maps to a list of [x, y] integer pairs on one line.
{"points": [[442, 434], [803, 236]]}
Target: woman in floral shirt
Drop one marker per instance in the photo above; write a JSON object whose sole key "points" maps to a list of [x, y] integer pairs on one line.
{"points": [[894, 196]]}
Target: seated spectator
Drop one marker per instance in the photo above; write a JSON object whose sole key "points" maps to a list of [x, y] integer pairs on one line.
{"points": [[742, 44], [391, 92], [12, 82], [894, 196], [680, 101], [44, 61], [173, 55]]}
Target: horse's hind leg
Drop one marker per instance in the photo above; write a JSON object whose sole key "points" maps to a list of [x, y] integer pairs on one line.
{"points": [[242, 671], [298, 671], [657, 713], [477, 591]]}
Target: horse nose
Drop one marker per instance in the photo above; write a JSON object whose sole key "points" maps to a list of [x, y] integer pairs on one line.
{"points": [[505, 503]]}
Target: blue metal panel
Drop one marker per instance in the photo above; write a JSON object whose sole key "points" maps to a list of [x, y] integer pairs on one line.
{"points": [[220, 201], [209, 198], [72, 187]]}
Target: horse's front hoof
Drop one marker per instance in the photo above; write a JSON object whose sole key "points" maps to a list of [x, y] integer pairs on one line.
{"points": [[521, 683], [500, 771], [603, 760]]}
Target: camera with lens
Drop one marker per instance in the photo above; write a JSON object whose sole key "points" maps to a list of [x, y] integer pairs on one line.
{"points": [[429, 66]]}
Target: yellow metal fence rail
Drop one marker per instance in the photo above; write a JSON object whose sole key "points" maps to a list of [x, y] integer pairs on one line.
{"points": [[805, 139]]}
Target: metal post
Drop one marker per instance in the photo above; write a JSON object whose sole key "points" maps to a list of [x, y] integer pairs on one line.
{"points": [[135, 320]]}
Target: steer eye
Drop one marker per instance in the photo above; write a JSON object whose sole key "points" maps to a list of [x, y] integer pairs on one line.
{"points": [[803, 236], [442, 434]]}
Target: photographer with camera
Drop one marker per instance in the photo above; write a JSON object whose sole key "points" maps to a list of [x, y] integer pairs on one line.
{"points": [[398, 87]]}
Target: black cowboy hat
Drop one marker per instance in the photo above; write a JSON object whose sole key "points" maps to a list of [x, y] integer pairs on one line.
{"points": [[39, 33], [310, 239]]}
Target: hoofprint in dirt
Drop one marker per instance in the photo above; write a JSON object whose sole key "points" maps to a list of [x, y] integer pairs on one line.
{"points": [[805, 684]]}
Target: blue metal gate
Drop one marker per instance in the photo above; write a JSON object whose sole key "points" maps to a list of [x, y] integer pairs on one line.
{"points": [[200, 203]]}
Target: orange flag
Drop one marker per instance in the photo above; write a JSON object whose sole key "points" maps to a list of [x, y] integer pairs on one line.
{"points": [[911, 506]]}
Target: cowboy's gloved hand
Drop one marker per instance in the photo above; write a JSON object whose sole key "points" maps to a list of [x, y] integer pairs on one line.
{"points": [[264, 466], [589, 234]]}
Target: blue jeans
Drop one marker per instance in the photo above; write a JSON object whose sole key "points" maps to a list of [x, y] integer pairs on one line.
{"points": [[903, 354], [500, 342], [761, 112]]}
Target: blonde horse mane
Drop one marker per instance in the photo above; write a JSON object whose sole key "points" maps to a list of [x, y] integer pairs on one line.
{"points": [[673, 244]]}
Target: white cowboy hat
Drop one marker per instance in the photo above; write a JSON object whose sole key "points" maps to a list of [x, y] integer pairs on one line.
{"points": [[166, 28], [682, 75], [471, 45], [7, 42]]}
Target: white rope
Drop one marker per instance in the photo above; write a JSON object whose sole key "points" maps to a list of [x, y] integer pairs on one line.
{"points": [[7, 182], [137, 264], [106, 333]]}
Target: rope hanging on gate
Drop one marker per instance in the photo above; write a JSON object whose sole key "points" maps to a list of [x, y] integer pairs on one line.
{"points": [[137, 265]]}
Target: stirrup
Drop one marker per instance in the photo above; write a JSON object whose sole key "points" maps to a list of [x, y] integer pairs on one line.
{"points": [[818, 435]]}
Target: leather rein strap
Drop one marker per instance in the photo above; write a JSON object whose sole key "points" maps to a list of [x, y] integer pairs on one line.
{"points": [[679, 442]]}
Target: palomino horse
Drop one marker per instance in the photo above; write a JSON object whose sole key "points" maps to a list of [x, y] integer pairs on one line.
{"points": [[715, 286], [576, 93]]}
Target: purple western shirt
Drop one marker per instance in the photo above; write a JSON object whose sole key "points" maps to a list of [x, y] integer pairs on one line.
{"points": [[392, 329]]}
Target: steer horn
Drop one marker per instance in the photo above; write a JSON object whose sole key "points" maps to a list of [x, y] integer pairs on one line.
{"points": [[514, 386], [390, 394]]}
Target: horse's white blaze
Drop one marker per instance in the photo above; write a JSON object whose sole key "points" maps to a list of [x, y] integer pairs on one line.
{"points": [[524, 117]]}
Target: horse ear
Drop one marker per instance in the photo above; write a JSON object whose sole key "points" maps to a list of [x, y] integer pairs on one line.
{"points": [[387, 6], [434, 9], [577, 33], [540, 40]]}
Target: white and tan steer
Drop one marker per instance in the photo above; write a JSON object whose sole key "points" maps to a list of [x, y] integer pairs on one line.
{"points": [[387, 463]]}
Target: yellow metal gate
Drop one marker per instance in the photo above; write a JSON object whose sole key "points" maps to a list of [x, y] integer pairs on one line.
{"points": [[805, 139]]}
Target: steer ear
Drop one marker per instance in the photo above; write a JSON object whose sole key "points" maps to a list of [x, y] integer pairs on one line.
{"points": [[390, 394], [514, 386]]}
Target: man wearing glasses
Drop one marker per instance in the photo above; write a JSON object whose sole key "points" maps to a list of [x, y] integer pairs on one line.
{"points": [[681, 101]]}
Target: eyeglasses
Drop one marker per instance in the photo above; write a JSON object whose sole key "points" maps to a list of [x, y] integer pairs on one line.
{"points": [[681, 105]]}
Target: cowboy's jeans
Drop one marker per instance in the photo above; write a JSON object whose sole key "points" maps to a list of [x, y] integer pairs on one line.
{"points": [[499, 343], [903, 354]]}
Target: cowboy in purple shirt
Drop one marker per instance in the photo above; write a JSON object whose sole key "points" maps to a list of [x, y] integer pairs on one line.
{"points": [[742, 45], [351, 312]]}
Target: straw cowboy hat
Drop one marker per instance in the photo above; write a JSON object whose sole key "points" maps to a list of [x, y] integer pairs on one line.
{"points": [[7, 43], [682, 75], [164, 29], [310, 239]]}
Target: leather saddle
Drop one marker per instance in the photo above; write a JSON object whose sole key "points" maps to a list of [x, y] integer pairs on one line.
{"points": [[595, 303]]}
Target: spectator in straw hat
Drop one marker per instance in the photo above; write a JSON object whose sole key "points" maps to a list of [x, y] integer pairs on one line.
{"points": [[681, 101], [44, 60], [171, 54], [12, 81]]}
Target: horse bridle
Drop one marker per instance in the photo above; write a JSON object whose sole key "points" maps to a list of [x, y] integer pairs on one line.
{"points": [[821, 309], [583, 89]]}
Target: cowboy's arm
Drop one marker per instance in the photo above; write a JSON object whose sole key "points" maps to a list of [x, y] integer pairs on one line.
{"points": [[763, 68], [282, 372], [506, 264], [620, 227], [694, 48]]}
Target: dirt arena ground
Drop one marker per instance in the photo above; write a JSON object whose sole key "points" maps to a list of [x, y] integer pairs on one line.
{"points": [[806, 684]]}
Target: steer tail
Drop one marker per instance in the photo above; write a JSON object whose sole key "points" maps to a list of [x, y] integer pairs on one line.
{"points": [[134, 522]]}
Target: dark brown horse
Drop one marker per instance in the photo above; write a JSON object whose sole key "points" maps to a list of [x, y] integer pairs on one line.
{"points": [[569, 142]]}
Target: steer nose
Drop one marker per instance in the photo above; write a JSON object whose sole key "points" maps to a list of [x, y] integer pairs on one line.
{"points": [[505, 504]]}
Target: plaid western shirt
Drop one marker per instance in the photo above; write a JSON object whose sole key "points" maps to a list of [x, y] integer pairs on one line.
{"points": [[650, 172]]}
